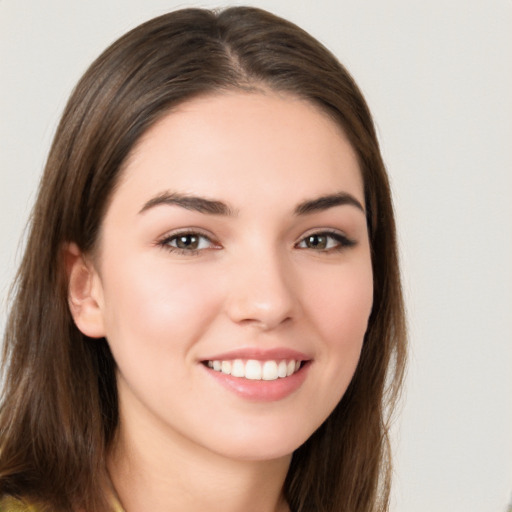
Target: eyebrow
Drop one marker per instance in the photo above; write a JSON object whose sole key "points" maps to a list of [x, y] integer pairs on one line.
{"points": [[214, 207], [189, 202], [329, 201]]}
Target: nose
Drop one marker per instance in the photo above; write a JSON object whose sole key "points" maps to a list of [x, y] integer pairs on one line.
{"points": [[263, 291]]}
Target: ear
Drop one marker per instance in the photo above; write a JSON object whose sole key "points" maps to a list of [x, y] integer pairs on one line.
{"points": [[85, 293]]}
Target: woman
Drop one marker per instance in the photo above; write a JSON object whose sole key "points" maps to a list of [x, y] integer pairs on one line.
{"points": [[208, 313]]}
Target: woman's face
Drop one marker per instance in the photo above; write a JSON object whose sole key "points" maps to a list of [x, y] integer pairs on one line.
{"points": [[236, 242]]}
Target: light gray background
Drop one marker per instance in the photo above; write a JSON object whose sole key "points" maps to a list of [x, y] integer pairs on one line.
{"points": [[438, 77]]}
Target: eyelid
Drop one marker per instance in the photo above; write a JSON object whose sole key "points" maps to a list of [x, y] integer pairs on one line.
{"points": [[163, 241], [344, 241]]}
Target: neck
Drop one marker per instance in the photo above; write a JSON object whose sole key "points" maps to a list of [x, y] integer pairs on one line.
{"points": [[173, 474]]}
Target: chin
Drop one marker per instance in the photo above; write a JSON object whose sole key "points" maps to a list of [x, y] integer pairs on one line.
{"points": [[263, 445]]}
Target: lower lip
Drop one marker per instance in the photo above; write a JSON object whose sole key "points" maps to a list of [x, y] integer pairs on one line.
{"points": [[261, 390]]}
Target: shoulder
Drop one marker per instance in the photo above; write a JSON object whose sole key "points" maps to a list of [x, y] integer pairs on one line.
{"points": [[9, 504]]}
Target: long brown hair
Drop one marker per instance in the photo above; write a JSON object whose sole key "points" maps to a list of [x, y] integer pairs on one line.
{"points": [[59, 410]]}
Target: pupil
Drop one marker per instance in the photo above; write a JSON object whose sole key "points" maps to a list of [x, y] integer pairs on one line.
{"points": [[187, 242], [317, 241]]}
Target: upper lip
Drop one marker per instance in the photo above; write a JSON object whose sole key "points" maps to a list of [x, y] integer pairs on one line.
{"points": [[259, 354]]}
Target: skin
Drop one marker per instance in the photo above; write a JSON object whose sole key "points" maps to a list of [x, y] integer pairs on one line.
{"points": [[186, 442]]}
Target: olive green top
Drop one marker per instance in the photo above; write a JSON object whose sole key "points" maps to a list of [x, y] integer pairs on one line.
{"points": [[8, 504]]}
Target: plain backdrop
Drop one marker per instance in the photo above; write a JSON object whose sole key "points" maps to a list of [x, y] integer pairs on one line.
{"points": [[438, 78]]}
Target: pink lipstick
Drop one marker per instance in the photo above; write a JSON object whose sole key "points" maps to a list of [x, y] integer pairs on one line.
{"points": [[259, 375]]}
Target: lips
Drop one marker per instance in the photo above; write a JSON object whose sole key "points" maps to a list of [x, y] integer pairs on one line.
{"points": [[261, 375]]}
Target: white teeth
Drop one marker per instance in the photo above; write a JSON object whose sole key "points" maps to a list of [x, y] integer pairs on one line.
{"points": [[269, 370], [226, 367], [253, 369], [281, 369], [237, 369]]}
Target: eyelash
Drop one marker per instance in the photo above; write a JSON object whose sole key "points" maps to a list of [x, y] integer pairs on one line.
{"points": [[167, 240], [342, 242]]}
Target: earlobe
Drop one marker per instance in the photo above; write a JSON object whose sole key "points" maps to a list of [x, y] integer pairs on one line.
{"points": [[84, 292]]}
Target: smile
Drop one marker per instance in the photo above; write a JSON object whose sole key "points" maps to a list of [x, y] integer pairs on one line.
{"points": [[253, 369]]}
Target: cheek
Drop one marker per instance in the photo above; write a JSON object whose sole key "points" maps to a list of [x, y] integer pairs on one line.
{"points": [[158, 306], [342, 302]]}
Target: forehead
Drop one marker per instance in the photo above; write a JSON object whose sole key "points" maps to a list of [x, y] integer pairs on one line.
{"points": [[241, 147]]}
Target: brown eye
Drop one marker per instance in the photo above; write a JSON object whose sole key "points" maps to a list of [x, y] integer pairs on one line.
{"points": [[316, 241], [187, 242], [325, 241], [190, 242]]}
